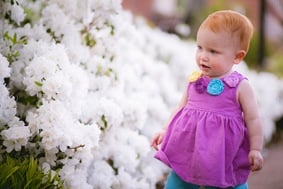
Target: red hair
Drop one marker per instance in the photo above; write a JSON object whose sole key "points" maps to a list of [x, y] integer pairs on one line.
{"points": [[233, 22]]}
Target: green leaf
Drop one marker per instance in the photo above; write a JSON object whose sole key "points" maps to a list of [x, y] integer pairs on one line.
{"points": [[105, 123], [24, 173], [32, 168], [23, 98], [39, 84], [7, 173], [90, 41]]}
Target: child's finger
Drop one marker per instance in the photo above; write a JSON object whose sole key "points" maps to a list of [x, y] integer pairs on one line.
{"points": [[256, 164], [154, 143]]}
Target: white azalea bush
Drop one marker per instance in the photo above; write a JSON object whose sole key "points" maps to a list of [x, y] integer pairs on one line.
{"points": [[84, 86]]}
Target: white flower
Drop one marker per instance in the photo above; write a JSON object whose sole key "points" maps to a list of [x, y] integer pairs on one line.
{"points": [[18, 13], [46, 167], [7, 106], [57, 87], [4, 67], [102, 175], [79, 81], [50, 156], [15, 137], [98, 107], [37, 71]]}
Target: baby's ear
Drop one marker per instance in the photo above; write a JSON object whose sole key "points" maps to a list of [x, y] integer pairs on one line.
{"points": [[240, 55]]}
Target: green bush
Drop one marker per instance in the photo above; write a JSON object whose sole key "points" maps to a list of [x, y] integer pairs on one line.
{"points": [[24, 173], [275, 63]]}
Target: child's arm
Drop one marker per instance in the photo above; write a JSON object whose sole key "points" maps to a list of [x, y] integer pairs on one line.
{"points": [[249, 106], [158, 138]]}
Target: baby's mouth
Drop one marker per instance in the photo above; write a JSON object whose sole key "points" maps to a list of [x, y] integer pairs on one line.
{"points": [[204, 66]]}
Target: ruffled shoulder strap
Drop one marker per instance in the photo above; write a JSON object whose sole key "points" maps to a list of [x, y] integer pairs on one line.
{"points": [[234, 79]]}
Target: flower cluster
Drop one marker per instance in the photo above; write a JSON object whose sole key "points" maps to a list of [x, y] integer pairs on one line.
{"points": [[213, 87]]}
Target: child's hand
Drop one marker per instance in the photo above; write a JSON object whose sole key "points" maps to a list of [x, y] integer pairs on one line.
{"points": [[157, 139], [256, 160]]}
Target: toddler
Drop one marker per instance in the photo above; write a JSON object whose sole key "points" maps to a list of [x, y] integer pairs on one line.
{"points": [[214, 138]]}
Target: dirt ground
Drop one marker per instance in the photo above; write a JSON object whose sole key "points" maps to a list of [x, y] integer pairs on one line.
{"points": [[271, 176]]}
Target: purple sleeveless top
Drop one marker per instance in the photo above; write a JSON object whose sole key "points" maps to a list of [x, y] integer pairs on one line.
{"points": [[206, 142]]}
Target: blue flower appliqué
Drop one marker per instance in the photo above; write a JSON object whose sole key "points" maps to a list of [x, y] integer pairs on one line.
{"points": [[215, 87]]}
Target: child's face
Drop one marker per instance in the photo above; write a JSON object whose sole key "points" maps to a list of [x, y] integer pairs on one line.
{"points": [[216, 53]]}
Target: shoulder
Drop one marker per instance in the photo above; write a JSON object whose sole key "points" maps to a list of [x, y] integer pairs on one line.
{"points": [[244, 85], [245, 91]]}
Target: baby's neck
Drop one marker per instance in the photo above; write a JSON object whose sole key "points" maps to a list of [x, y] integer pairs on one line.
{"points": [[220, 76]]}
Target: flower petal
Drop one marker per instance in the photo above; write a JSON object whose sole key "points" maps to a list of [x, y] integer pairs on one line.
{"points": [[194, 76], [215, 87], [201, 85]]}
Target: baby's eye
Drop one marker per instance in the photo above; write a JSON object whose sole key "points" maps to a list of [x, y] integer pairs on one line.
{"points": [[213, 51], [199, 47]]}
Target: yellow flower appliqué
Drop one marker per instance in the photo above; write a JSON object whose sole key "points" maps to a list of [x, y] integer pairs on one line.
{"points": [[194, 76]]}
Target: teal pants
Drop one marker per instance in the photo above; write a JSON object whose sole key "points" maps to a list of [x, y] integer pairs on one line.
{"points": [[175, 182]]}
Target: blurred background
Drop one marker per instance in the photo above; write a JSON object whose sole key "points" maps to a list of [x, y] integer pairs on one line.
{"points": [[182, 17]]}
